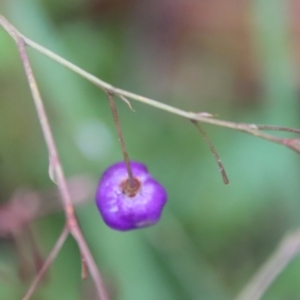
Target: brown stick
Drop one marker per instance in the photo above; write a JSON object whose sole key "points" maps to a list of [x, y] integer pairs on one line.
{"points": [[214, 152], [55, 165]]}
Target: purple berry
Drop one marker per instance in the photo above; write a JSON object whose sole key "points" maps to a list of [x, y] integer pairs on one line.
{"points": [[124, 207]]}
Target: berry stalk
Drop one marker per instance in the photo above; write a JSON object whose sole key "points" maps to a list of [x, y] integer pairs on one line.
{"points": [[114, 111]]}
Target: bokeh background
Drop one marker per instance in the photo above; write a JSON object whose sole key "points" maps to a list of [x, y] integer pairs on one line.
{"points": [[236, 59]]}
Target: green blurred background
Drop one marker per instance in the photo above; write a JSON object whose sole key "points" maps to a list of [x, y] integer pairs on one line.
{"points": [[238, 60]]}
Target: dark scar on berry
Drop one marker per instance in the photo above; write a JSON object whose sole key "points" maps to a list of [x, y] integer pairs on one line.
{"points": [[128, 190]]}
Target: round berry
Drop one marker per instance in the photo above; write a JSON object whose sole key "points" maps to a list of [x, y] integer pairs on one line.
{"points": [[126, 205]]}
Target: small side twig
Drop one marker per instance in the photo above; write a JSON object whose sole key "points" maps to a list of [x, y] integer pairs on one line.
{"points": [[127, 102], [214, 152], [55, 165], [58, 245], [287, 250]]}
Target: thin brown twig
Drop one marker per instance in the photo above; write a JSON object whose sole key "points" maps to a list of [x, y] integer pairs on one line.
{"points": [[53, 254], [287, 250], [121, 139], [55, 164], [214, 152]]}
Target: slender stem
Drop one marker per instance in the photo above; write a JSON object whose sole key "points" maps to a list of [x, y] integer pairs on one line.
{"points": [[58, 245], [121, 138], [288, 249], [108, 88], [55, 164], [53, 154], [214, 152]]}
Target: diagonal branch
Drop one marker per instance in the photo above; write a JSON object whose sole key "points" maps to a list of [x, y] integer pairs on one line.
{"points": [[55, 164], [252, 129], [287, 250], [214, 152]]}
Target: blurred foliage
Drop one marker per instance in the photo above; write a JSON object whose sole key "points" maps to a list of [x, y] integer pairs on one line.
{"points": [[230, 59]]}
